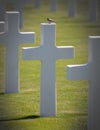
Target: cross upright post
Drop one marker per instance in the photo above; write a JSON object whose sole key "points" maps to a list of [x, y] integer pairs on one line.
{"points": [[2, 10], [71, 8], [93, 10], [53, 5], [48, 53], [19, 7], [91, 72], [2, 26], [12, 38], [37, 3]]}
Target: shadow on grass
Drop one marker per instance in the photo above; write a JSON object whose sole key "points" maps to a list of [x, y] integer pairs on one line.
{"points": [[21, 118], [2, 93]]}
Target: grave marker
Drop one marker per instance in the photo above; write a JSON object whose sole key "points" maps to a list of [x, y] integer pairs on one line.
{"points": [[53, 5], [37, 3], [48, 53], [71, 8], [2, 10], [12, 38], [93, 10], [91, 72]]}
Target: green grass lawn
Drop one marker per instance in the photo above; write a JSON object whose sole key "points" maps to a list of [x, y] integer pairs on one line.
{"points": [[22, 111]]}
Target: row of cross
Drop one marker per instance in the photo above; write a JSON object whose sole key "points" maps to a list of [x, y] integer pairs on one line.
{"points": [[48, 53]]}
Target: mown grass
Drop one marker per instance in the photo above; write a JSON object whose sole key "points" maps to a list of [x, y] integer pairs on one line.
{"points": [[22, 111]]}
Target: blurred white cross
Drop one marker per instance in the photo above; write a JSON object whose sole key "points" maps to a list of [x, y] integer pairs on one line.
{"points": [[91, 72], [71, 8], [53, 5], [93, 10], [12, 38]]}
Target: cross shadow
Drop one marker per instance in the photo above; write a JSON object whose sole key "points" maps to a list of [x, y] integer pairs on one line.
{"points": [[21, 118], [2, 93]]}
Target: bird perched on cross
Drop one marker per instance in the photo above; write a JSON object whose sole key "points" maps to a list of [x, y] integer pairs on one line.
{"points": [[50, 20]]}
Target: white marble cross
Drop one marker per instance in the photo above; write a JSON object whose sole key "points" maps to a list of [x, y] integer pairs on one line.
{"points": [[91, 72], [71, 8], [12, 38], [93, 10], [48, 53]]}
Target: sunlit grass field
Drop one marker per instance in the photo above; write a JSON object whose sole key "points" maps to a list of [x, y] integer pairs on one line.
{"points": [[21, 111]]}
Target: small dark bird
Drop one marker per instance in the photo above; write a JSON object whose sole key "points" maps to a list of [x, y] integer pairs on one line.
{"points": [[50, 20]]}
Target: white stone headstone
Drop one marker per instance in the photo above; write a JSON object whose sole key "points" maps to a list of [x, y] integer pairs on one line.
{"points": [[12, 38], [37, 3], [48, 53], [71, 8], [53, 5], [91, 72], [93, 10]]}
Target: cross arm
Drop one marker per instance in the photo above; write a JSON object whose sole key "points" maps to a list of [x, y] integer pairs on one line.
{"points": [[64, 52], [78, 72], [31, 53], [27, 37]]}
